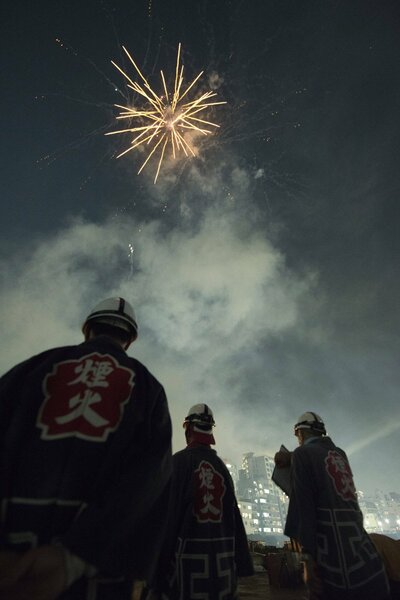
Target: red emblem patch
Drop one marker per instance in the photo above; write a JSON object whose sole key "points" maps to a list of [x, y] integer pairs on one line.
{"points": [[339, 471], [85, 398], [209, 490]]}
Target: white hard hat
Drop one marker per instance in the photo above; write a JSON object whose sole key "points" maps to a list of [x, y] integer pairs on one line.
{"points": [[116, 312], [310, 420], [202, 416]]}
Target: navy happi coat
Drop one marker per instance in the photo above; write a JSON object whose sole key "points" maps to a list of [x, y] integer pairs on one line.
{"points": [[324, 516], [85, 459], [206, 546]]}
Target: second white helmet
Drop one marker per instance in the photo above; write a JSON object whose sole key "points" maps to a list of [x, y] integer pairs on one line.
{"points": [[202, 416], [310, 420]]}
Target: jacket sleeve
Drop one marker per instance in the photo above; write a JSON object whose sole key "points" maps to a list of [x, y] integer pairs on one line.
{"points": [[120, 531], [178, 500], [10, 385], [301, 520], [243, 559]]}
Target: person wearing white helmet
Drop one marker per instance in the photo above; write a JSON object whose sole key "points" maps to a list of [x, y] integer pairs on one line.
{"points": [[113, 316], [341, 562], [85, 462], [206, 546]]}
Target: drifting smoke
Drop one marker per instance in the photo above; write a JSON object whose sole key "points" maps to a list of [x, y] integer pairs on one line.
{"points": [[203, 295], [222, 318]]}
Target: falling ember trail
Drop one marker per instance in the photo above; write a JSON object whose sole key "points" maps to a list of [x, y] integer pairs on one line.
{"points": [[163, 121]]}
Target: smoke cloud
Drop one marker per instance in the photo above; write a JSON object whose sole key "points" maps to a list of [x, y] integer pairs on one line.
{"points": [[206, 297], [222, 318]]}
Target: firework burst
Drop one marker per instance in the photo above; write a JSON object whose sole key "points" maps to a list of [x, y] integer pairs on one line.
{"points": [[163, 120]]}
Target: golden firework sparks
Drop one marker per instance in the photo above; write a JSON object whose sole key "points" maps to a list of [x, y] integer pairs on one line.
{"points": [[164, 119]]}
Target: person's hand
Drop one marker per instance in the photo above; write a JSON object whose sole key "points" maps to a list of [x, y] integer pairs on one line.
{"points": [[313, 580], [153, 595], [283, 459], [39, 574], [8, 562]]}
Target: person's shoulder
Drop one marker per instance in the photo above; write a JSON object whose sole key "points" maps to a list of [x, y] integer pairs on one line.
{"points": [[298, 451], [182, 459], [58, 354], [33, 365], [144, 372], [303, 454], [53, 351], [140, 366], [197, 453], [105, 345], [316, 446], [38, 358], [221, 466], [181, 454], [208, 454], [217, 460], [328, 444]]}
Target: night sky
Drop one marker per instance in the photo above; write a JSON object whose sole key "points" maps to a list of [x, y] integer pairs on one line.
{"points": [[264, 271]]}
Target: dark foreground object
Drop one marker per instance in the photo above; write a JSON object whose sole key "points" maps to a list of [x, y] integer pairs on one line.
{"points": [[257, 587]]}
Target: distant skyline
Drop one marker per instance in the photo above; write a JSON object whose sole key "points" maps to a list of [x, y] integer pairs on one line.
{"points": [[264, 271], [254, 488], [368, 492]]}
